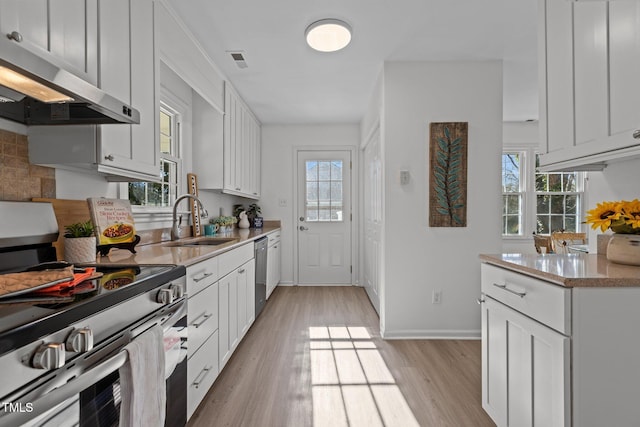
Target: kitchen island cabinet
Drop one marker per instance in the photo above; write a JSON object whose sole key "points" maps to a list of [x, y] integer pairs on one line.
{"points": [[588, 65], [558, 346]]}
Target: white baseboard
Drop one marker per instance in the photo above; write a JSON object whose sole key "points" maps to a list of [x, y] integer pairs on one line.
{"points": [[316, 284], [431, 334]]}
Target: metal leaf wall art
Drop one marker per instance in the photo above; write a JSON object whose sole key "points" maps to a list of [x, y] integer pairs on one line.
{"points": [[448, 174]]}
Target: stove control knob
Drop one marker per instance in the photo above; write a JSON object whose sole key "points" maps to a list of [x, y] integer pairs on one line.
{"points": [[178, 291], [165, 296], [80, 340], [49, 356]]}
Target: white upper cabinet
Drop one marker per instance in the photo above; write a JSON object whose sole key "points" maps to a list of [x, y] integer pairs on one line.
{"points": [[624, 66], [235, 169], [127, 71], [589, 90], [62, 31]]}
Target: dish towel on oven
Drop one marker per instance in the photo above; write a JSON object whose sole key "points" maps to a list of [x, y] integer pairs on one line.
{"points": [[142, 384]]}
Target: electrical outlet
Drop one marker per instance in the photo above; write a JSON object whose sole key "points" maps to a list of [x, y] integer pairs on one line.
{"points": [[282, 203], [436, 296]]}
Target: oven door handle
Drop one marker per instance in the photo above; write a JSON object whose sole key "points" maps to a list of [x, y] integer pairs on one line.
{"points": [[49, 397]]}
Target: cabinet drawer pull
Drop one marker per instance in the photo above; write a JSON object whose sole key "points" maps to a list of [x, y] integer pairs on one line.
{"points": [[109, 157], [275, 247], [480, 301], [198, 324], [238, 188], [201, 278], [201, 376], [520, 294], [636, 134], [241, 271]]}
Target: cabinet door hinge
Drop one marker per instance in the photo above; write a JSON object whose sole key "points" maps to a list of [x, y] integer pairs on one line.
{"points": [[350, 164], [351, 269]]}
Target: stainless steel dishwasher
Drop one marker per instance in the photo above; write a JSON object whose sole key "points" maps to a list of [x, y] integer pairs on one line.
{"points": [[260, 248]]}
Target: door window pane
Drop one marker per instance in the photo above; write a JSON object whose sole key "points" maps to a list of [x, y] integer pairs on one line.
{"points": [[324, 190]]}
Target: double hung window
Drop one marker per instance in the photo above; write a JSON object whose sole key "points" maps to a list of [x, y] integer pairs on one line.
{"points": [[163, 193], [540, 202]]}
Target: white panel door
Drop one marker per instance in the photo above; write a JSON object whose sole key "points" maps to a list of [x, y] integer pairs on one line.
{"points": [[372, 184], [324, 217]]}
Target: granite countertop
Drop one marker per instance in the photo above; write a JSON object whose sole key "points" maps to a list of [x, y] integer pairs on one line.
{"points": [[569, 270], [164, 253]]}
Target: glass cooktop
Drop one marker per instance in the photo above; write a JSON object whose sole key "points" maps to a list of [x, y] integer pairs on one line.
{"points": [[31, 315]]}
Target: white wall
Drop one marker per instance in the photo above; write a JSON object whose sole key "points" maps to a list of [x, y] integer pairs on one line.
{"points": [[420, 259], [278, 142], [618, 181]]}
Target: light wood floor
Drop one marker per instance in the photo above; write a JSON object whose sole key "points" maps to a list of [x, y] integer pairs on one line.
{"points": [[314, 357]]}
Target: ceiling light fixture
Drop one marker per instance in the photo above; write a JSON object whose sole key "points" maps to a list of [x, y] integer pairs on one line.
{"points": [[328, 35]]}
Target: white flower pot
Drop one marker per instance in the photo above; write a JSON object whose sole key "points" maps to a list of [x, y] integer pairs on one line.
{"points": [[624, 249], [80, 250]]}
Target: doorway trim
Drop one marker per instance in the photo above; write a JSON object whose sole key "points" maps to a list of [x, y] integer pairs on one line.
{"points": [[355, 197]]}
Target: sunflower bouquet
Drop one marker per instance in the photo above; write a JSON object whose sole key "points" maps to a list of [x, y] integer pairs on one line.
{"points": [[621, 217]]}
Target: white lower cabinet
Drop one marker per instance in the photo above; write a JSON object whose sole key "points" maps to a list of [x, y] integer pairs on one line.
{"points": [[273, 262], [236, 304], [221, 309], [525, 369], [236, 308], [559, 356], [202, 321], [202, 371]]}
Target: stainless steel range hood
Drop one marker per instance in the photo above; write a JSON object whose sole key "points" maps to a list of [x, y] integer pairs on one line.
{"points": [[34, 91]]}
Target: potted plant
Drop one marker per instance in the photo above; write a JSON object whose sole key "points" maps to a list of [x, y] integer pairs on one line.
{"points": [[254, 215], [80, 243], [225, 223]]}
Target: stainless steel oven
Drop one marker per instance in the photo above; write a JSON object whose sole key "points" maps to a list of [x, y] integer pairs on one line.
{"points": [[84, 389], [61, 352]]}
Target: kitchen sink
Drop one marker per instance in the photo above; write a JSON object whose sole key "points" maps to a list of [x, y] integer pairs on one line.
{"points": [[204, 241]]}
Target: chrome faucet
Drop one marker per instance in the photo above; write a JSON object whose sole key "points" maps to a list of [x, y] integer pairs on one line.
{"points": [[175, 227]]}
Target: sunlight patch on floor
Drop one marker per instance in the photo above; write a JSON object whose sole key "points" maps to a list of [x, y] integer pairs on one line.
{"points": [[351, 384]]}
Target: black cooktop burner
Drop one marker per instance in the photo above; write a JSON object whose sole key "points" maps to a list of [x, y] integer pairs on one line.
{"points": [[27, 317]]}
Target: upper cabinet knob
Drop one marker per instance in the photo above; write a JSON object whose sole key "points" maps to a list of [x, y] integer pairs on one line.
{"points": [[636, 134], [109, 157], [15, 36]]}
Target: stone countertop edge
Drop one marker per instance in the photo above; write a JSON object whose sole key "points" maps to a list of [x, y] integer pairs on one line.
{"points": [[571, 270], [161, 253]]}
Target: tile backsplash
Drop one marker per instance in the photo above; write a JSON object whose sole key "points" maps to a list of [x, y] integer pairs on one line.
{"points": [[20, 180]]}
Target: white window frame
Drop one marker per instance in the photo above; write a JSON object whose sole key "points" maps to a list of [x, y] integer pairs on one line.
{"points": [[528, 185], [523, 181], [155, 214]]}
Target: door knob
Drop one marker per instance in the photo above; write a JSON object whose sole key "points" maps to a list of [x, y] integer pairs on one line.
{"points": [[303, 228]]}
